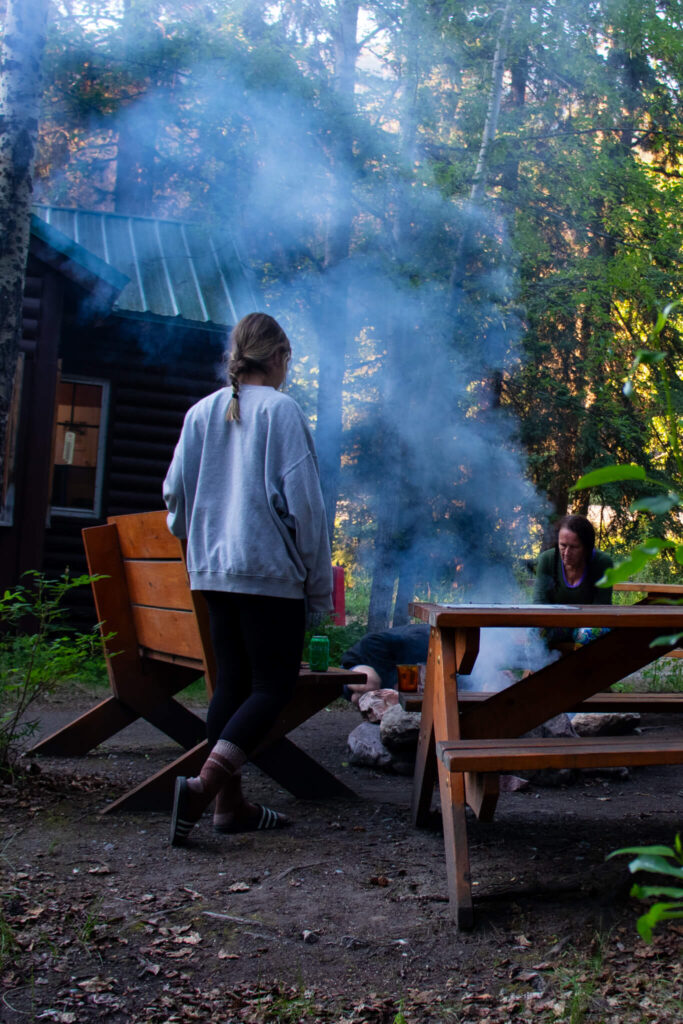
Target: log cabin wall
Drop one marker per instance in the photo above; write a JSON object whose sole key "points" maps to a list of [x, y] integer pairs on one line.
{"points": [[21, 544], [155, 373]]}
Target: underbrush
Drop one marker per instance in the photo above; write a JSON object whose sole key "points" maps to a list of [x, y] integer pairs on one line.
{"points": [[38, 654], [663, 676]]}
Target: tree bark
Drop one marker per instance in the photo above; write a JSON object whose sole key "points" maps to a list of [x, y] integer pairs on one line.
{"points": [[478, 190], [20, 89], [334, 323]]}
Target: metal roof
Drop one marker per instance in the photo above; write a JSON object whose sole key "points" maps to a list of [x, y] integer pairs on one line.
{"points": [[175, 270]]}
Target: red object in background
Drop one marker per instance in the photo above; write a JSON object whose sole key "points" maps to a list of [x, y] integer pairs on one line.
{"points": [[338, 598]]}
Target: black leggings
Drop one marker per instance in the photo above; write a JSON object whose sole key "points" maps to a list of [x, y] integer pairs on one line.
{"points": [[258, 642]]}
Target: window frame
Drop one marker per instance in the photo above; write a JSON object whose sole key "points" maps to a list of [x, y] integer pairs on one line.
{"points": [[96, 512]]}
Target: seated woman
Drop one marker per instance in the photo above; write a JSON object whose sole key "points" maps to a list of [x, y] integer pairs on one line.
{"points": [[568, 573]]}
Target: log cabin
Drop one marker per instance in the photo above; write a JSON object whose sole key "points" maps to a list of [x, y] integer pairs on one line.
{"points": [[124, 327]]}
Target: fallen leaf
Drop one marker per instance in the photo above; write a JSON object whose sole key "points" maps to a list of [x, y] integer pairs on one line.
{"points": [[97, 984]]}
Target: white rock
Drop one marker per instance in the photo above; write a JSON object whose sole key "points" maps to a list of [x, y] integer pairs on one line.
{"points": [[399, 729]]}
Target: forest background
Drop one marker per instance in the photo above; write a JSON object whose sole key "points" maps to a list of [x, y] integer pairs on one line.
{"points": [[466, 216]]}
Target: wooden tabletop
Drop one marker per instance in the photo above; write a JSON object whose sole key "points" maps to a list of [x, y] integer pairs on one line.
{"points": [[650, 588], [569, 615]]}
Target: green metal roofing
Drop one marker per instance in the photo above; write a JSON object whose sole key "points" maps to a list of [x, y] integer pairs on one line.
{"points": [[175, 270]]}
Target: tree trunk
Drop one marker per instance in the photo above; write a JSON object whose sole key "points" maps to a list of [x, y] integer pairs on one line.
{"points": [[334, 325], [136, 149], [478, 190], [20, 90]]}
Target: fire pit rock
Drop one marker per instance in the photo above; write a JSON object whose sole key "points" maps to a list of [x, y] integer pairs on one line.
{"points": [[400, 729], [366, 747], [607, 723], [375, 703], [390, 744]]}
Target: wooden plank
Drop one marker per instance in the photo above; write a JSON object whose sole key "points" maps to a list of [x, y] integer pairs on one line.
{"points": [[172, 659], [663, 616], [160, 584], [425, 774], [146, 535], [165, 629], [87, 731], [452, 784], [156, 792], [538, 753], [650, 588], [642, 703], [543, 694], [113, 609], [299, 773]]}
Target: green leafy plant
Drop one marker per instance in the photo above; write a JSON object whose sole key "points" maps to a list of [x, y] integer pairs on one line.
{"points": [[660, 860], [37, 651], [668, 493]]}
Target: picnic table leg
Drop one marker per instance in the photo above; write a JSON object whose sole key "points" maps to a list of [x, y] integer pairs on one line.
{"points": [[453, 650], [482, 790], [424, 777]]}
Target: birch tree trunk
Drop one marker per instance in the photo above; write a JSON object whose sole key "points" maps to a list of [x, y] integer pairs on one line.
{"points": [[20, 89]]}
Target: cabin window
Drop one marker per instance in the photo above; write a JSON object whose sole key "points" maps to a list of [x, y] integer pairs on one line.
{"points": [[80, 435]]}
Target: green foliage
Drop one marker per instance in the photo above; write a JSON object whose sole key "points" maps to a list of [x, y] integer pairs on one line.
{"points": [[659, 860], [37, 652], [664, 358]]}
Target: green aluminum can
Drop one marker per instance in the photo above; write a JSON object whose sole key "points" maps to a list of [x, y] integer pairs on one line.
{"points": [[319, 654]]}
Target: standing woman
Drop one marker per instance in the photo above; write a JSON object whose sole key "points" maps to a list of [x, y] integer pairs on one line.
{"points": [[243, 488]]}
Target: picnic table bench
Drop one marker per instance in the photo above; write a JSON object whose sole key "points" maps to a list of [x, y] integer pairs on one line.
{"points": [[467, 739], [155, 632]]}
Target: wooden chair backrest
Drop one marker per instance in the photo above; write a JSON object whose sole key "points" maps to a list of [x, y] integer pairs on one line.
{"points": [[158, 590], [144, 597]]}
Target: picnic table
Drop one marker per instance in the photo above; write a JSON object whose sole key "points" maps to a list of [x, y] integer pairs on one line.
{"points": [[468, 742]]}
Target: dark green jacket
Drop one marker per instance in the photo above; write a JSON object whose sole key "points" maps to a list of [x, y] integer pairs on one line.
{"points": [[551, 587]]}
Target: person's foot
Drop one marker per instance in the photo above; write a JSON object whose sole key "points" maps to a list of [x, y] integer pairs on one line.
{"points": [[250, 818], [189, 803]]}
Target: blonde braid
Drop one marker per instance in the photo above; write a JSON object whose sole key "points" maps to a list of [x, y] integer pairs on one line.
{"points": [[254, 341], [233, 413]]}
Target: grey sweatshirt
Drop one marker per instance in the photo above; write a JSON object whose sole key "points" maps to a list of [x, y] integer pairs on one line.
{"points": [[247, 498]]}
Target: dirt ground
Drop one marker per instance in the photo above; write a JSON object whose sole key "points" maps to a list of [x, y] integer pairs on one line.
{"points": [[343, 917]]}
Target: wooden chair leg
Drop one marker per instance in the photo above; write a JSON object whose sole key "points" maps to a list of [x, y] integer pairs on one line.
{"points": [[88, 730], [298, 773], [156, 792]]}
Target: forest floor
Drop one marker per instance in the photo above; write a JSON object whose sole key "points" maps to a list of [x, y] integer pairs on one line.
{"points": [[341, 918]]}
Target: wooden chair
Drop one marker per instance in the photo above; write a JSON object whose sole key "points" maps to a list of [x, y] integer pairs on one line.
{"points": [[155, 632]]}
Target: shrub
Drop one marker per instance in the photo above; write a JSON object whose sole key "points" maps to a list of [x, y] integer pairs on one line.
{"points": [[660, 860], [37, 651]]}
